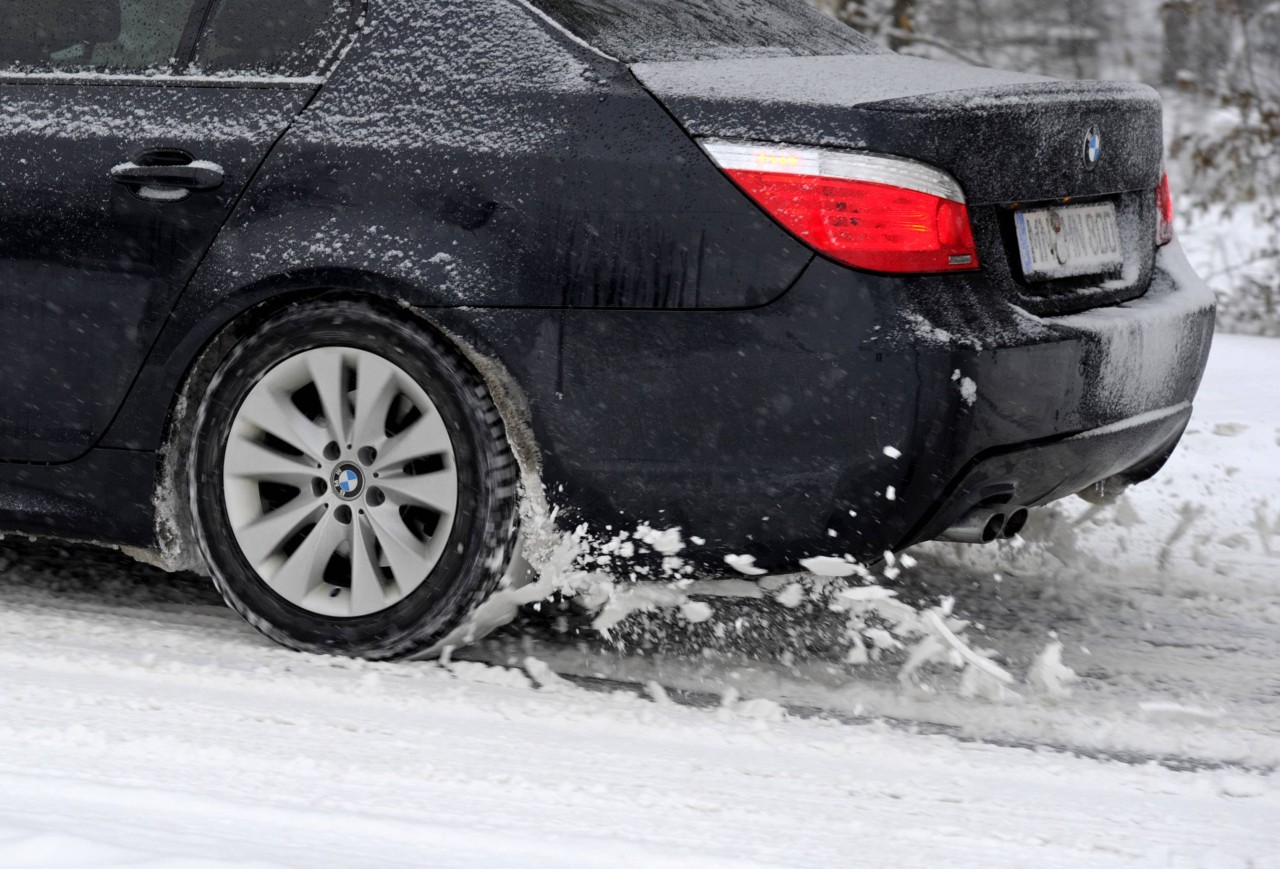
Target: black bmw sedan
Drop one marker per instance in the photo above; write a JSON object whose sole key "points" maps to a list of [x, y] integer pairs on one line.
{"points": [[307, 294]]}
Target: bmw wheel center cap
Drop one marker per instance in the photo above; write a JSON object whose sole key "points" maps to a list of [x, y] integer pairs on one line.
{"points": [[1092, 147], [348, 481]]}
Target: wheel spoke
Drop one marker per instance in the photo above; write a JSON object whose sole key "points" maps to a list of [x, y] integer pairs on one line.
{"points": [[328, 373], [437, 490], [426, 436], [264, 537], [255, 460], [410, 559], [274, 413], [304, 571], [376, 388], [367, 595]]}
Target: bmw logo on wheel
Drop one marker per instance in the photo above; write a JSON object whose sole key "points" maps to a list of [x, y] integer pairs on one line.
{"points": [[347, 482], [1092, 147]]}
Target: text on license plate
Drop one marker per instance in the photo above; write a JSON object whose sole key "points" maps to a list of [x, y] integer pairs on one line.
{"points": [[1069, 242]]}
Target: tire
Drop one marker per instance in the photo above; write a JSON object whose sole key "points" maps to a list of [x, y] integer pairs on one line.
{"points": [[373, 535]]}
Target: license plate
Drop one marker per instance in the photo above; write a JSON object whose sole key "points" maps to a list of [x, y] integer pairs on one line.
{"points": [[1069, 242]]}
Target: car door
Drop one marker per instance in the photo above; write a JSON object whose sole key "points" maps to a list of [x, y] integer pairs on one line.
{"points": [[128, 130]]}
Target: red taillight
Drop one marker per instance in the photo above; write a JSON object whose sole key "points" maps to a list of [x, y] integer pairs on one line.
{"points": [[1164, 212], [869, 211]]}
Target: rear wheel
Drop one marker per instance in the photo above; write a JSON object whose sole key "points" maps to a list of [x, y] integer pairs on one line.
{"points": [[352, 487]]}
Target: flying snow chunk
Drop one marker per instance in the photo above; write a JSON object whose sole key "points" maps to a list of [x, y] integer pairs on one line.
{"points": [[696, 611], [791, 596], [893, 452], [657, 693], [546, 678], [1181, 711], [760, 709], [867, 593], [745, 564], [825, 565], [968, 389], [1049, 674], [933, 619], [668, 542]]}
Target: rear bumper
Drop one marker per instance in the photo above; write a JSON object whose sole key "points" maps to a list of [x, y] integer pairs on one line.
{"points": [[765, 431], [1031, 475], [1032, 409], [1102, 394]]}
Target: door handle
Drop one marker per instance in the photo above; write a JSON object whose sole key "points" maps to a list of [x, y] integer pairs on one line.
{"points": [[168, 182]]}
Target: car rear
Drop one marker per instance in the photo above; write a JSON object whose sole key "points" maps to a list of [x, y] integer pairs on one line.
{"points": [[1020, 323]]}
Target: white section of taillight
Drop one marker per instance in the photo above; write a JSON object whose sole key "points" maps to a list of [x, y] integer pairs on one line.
{"points": [[1164, 212], [870, 211], [850, 165]]}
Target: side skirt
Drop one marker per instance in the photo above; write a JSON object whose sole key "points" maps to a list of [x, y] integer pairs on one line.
{"points": [[105, 496]]}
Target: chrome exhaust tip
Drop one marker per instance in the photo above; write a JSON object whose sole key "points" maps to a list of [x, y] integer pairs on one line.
{"points": [[1015, 523], [979, 526]]}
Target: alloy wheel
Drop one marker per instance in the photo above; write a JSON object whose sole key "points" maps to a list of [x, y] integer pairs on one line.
{"points": [[340, 482]]}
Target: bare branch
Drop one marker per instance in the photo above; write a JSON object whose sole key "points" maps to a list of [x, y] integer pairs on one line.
{"points": [[909, 38]]}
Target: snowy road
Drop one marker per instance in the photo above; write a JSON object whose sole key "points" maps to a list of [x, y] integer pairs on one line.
{"points": [[141, 724]]}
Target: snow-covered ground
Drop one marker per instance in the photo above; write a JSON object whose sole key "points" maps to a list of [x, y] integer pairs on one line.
{"points": [[141, 724]]}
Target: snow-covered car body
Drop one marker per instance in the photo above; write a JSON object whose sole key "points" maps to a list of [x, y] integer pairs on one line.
{"points": [[536, 186]]}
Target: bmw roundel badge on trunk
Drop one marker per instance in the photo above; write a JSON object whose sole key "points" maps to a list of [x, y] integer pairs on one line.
{"points": [[1092, 147]]}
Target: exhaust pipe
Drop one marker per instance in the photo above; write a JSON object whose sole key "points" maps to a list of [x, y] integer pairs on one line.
{"points": [[1015, 523], [980, 526]]}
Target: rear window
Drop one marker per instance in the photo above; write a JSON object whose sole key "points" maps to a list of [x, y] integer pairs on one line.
{"points": [[639, 31]]}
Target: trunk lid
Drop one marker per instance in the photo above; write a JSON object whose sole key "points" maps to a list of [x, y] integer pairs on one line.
{"points": [[1006, 137]]}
